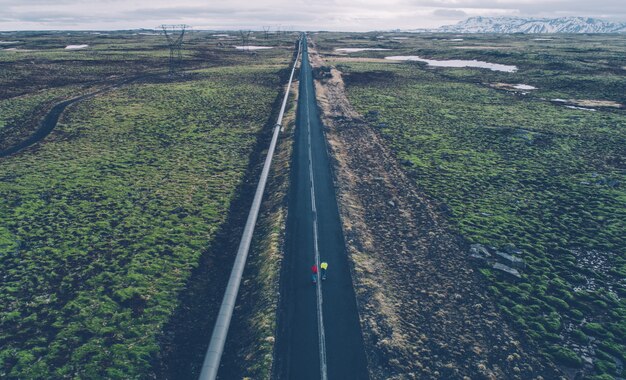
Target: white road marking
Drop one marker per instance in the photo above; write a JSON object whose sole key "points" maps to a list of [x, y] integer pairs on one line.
{"points": [[320, 315]]}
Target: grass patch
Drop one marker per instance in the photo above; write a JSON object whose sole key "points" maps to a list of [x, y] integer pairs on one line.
{"points": [[513, 168], [103, 222]]}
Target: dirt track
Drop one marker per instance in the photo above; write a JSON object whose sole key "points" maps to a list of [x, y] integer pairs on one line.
{"points": [[423, 308]]}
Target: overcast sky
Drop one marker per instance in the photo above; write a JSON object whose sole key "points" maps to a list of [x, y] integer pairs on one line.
{"points": [[354, 15]]}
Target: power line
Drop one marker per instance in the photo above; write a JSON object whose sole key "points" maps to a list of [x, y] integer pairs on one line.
{"points": [[175, 35]]}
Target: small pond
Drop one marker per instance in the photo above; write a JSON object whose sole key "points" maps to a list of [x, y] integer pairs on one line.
{"points": [[356, 50], [75, 47], [456, 63], [252, 47]]}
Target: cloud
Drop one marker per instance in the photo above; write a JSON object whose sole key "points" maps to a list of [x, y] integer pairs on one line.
{"points": [[449, 13], [192, 11], [355, 15]]}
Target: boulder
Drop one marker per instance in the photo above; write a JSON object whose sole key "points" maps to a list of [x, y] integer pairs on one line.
{"points": [[479, 251], [478, 257], [507, 269], [511, 249], [511, 260]]}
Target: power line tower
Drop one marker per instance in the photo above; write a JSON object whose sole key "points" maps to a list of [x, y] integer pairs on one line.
{"points": [[245, 38], [175, 35], [266, 30]]}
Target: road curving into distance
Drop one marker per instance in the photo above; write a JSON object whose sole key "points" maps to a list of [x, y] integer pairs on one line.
{"points": [[319, 335], [49, 122]]}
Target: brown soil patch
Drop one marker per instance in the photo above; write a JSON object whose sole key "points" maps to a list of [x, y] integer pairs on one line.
{"points": [[423, 308]]}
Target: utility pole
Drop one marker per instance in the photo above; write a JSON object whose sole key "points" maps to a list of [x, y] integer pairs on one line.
{"points": [[174, 35], [245, 38]]}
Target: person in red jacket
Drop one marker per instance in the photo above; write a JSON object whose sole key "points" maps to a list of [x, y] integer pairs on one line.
{"points": [[314, 271]]}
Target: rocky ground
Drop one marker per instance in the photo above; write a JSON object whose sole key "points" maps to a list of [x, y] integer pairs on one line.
{"points": [[423, 307]]}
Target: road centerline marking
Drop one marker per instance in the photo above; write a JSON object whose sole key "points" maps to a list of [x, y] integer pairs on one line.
{"points": [[320, 315]]}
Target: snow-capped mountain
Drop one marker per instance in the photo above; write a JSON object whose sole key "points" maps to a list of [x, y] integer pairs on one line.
{"points": [[534, 25]]}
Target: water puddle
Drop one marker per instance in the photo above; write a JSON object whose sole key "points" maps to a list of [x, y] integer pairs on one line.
{"points": [[581, 108], [76, 47], [356, 50], [253, 47], [456, 63], [508, 86], [10, 42], [524, 87], [482, 47]]}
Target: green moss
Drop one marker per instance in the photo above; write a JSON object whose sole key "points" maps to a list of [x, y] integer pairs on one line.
{"points": [[614, 348], [580, 336], [577, 314], [557, 303], [564, 356], [600, 377], [594, 329], [102, 224], [515, 169], [605, 367]]}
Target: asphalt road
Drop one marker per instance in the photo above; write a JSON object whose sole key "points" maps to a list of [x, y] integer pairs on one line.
{"points": [[319, 332], [51, 119], [47, 125]]}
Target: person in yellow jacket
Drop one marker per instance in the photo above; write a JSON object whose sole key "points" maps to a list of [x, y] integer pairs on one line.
{"points": [[324, 266]]}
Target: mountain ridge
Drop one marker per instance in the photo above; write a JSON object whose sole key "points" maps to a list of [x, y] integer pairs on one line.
{"points": [[480, 24]]}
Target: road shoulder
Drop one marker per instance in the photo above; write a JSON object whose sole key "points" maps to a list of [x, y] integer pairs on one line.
{"points": [[423, 308]]}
